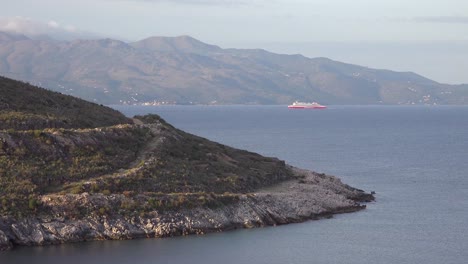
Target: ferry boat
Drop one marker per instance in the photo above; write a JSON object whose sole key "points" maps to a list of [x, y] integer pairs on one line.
{"points": [[302, 105]]}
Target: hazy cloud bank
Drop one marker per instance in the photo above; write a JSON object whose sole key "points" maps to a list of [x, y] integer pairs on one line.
{"points": [[443, 19], [32, 28], [197, 2]]}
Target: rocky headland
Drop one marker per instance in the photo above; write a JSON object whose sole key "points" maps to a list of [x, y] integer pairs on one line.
{"points": [[73, 172], [310, 196]]}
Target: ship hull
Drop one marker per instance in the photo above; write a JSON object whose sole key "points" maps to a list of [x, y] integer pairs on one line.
{"points": [[306, 107]]}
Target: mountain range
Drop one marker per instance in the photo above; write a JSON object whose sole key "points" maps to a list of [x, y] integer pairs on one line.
{"points": [[183, 70]]}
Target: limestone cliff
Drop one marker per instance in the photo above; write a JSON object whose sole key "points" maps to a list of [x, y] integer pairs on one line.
{"points": [[309, 196]]}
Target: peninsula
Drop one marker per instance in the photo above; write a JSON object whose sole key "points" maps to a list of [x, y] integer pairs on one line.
{"points": [[72, 171]]}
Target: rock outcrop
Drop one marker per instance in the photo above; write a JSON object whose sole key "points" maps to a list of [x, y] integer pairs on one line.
{"points": [[4, 242], [310, 196]]}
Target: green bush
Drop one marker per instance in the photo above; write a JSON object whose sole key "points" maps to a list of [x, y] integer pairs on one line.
{"points": [[102, 211], [32, 203]]}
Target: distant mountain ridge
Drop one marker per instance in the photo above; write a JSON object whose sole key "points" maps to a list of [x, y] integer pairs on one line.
{"points": [[184, 70], [184, 44]]}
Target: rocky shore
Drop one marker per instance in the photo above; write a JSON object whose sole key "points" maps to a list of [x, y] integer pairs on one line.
{"points": [[310, 196]]}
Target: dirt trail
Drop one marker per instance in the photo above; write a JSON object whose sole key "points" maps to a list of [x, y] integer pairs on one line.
{"points": [[145, 154], [147, 151]]}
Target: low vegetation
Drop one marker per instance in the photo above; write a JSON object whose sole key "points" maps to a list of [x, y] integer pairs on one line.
{"points": [[26, 107], [51, 154]]}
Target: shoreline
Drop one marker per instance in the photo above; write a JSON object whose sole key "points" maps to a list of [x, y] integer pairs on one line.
{"points": [[311, 196]]}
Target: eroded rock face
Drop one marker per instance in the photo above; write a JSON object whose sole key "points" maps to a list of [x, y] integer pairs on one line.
{"points": [[312, 196], [5, 243]]}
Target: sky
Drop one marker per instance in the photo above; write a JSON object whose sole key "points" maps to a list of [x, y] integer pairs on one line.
{"points": [[429, 37]]}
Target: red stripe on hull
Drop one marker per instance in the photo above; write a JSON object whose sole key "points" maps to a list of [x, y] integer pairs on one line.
{"points": [[305, 107]]}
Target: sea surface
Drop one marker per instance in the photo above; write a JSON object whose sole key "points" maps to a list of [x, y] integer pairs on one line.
{"points": [[414, 157]]}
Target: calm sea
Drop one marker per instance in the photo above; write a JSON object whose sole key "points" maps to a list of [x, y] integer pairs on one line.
{"points": [[415, 158]]}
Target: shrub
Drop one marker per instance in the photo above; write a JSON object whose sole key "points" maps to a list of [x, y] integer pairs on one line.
{"points": [[127, 193], [77, 189], [37, 133], [102, 210], [4, 204], [32, 203], [94, 188]]}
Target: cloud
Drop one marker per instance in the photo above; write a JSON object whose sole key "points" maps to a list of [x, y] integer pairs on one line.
{"points": [[24, 25], [32, 28], [198, 2], [53, 24], [442, 19]]}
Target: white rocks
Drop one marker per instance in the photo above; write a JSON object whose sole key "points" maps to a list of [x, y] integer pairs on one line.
{"points": [[311, 197], [28, 232], [5, 243]]}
